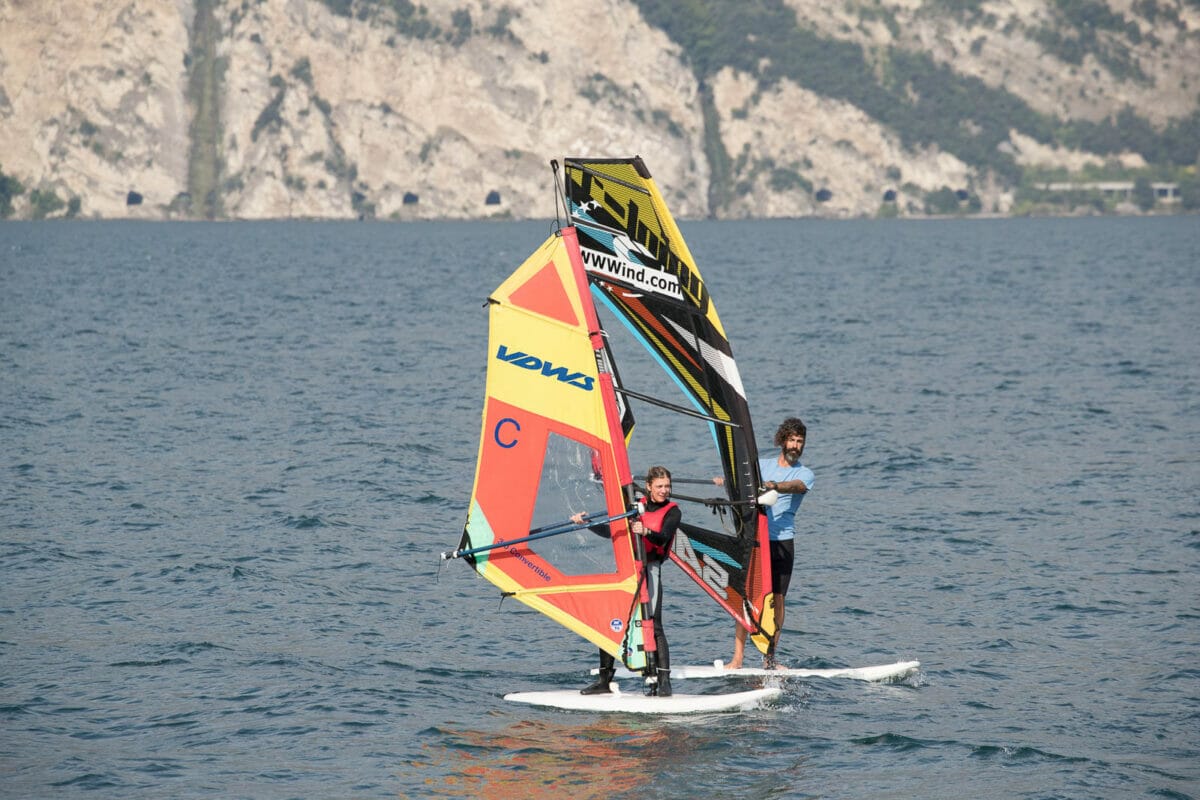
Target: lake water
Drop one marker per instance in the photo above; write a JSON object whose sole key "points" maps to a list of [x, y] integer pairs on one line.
{"points": [[233, 452]]}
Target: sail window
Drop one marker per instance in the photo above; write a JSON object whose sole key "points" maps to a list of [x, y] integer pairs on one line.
{"points": [[571, 482]]}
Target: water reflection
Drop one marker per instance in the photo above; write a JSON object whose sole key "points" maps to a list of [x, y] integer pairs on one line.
{"points": [[535, 758]]}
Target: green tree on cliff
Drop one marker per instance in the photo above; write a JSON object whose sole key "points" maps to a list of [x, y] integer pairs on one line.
{"points": [[9, 188]]}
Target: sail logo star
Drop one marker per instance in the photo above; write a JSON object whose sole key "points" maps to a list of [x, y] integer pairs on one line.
{"points": [[546, 368], [651, 240]]}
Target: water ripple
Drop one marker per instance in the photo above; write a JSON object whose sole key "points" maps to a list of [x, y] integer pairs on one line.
{"points": [[234, 453]]}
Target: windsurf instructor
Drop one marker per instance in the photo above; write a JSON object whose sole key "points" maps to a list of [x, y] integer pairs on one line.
{"points": [[656, 524], [784, 474]]}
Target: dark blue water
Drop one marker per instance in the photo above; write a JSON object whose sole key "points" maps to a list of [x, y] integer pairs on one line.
{"points": [[232, 453]]}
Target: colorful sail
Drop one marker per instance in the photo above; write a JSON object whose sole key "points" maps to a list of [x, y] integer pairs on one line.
{"points": [[553, 445], [643, 273]]}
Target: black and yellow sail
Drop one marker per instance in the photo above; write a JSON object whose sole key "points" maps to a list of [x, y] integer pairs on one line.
{"points": [[642, 271]]}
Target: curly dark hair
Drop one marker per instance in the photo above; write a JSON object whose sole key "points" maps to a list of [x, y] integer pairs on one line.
{"points": [[792, 426]]}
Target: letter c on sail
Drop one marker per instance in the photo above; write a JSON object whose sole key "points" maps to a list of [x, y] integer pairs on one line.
{"points": [[497, 432]]}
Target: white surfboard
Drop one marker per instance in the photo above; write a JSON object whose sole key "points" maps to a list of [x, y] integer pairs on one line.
{"points": [[638, 703], [882, 672]]}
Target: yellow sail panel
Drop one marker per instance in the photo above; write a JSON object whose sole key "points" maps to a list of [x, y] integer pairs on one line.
{"points": [[551, 446], [541, 355]]}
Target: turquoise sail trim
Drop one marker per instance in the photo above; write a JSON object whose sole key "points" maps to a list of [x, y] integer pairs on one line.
{"points": [[724, 558]]}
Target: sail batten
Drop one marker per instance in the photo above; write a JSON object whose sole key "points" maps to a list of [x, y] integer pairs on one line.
{"points": [[677, 408]]}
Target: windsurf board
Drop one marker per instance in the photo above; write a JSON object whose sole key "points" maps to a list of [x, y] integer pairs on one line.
{"points": [[637, 703], [881, 672]]}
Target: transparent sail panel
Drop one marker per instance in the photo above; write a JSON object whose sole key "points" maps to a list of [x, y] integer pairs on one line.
{"points": [[683, 444], [571, 482]]}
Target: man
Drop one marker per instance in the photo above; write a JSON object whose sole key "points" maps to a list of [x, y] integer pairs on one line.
{"points": [[786, 475]]}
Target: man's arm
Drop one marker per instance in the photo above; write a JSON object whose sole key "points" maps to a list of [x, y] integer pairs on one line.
{"points": [[787, 487]]}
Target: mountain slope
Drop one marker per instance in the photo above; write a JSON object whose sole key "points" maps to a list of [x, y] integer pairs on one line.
{"points": [[366, 108]]}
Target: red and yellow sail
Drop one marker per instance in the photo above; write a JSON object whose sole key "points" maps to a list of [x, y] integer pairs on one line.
{"points": [[552, 445]]}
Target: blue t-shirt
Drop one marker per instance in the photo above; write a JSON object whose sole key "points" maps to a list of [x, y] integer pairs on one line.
{"points": [[780, 516]]}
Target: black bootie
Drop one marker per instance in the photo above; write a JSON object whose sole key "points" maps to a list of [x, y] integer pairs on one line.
{"points": [[663, 689], [601, 685]]}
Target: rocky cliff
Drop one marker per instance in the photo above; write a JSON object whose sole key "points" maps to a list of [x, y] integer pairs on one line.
{"points": [[366, 109]]}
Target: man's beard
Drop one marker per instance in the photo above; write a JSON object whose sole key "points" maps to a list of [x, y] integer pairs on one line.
{"points": [[792, 455]]}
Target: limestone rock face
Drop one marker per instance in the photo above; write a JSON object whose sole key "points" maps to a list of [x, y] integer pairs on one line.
{"points": [[453, 111], [847, 160], [92, 101], [1000, 45], [326, 116]]}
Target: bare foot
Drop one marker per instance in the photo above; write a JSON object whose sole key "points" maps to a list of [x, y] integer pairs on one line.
{"points": [[734, 665]]}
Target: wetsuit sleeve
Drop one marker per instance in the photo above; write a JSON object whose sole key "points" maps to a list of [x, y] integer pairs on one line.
{"points": [[601, 530]]}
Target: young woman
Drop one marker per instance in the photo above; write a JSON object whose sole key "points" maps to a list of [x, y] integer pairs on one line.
{"points": [[657, 525]]}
